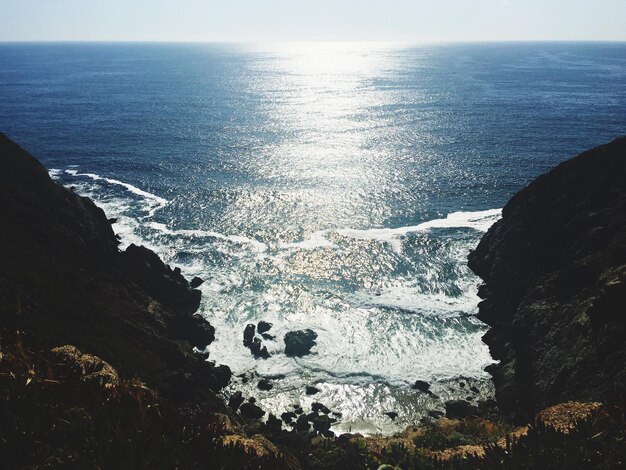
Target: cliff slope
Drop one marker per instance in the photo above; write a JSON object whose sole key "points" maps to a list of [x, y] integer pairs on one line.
{"points": [[63, 280], [554, 296]]}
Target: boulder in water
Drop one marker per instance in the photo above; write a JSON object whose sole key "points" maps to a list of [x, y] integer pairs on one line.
{"points": [[263, 326], [264, 384], [421, 385], [248, 334], [299, 343], [310, 390]]}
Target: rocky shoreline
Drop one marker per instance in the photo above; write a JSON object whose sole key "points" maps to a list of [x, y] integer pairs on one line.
{"points": [[86, 326], [63, 280]]}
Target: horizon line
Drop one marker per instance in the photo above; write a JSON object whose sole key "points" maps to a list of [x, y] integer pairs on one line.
{"points": [[304, 41]]}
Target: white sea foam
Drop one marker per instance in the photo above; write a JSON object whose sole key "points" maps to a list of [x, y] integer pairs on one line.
{"points": [[55, 173], [258, 246], [154, 202], [406, 298], [315, 240], [478, 220]]}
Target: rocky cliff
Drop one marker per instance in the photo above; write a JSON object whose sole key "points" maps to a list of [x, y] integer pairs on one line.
{"points": [[63, 280], [554, 269]]}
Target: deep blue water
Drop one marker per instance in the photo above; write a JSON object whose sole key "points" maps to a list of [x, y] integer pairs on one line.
{"points": [[311, 185]]}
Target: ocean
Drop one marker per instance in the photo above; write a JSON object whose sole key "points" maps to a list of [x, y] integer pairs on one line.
{"points": [[331, 186]]}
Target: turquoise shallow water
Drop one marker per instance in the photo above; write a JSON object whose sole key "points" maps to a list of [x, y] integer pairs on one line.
{"points": [[337, 187]]}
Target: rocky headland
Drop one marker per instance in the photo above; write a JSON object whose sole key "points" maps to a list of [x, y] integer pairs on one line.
{"points": [[63, 280], [554, 295]]}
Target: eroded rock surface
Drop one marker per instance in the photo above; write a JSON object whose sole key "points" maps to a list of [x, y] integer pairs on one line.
{"points": [[554, 269]]}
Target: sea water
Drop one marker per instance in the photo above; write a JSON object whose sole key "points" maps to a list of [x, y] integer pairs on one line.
{"points": [[331, 186]]}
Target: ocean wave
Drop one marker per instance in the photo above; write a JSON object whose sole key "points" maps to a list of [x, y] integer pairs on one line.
{"points": [[55, 173], [154, 202], [163, 228], [477, 220], [405, 298]]}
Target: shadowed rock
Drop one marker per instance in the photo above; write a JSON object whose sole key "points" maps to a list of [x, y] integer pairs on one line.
{"points": [[554, 268], [310, 390], [248, 334], [263, 327], [251, 411], [299, 343], [421, 385], [265, 384], [63, 280]]}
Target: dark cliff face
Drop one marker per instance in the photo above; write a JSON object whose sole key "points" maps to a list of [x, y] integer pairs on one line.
{"points": [[555, 295], [64, 281]]}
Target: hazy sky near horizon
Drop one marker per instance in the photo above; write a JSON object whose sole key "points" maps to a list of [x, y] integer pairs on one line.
{"points": [[313, 20]]}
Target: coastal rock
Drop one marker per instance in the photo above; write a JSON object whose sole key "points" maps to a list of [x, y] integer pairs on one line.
{"points": [[264, 384], [273, 425], [248, 334], [321, 423], [65, 282], [421, 385], [196, 282], [299, 343], [555, 273], [317, 407], [251, 411], [162, 283], [257, 350], [302, 423], [457, 409], [310, 390], [263, 327], [194, 329], [235, 400]]}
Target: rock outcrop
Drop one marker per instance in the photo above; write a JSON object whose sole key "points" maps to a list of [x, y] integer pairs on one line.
{"points": [[299, 343], [63, 281], [554, 296]]}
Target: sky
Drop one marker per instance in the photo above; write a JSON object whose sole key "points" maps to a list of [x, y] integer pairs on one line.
{"points": [[312, 20]]}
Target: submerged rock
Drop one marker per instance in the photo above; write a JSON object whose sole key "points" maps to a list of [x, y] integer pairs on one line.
{"points": [[299, 343], [392, 414], [310, 390], [265, 384]]}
